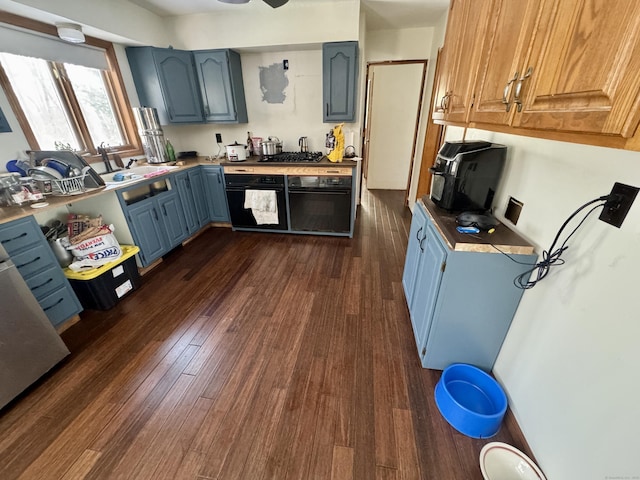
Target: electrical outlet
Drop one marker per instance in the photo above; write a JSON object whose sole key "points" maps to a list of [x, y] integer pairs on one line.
{"points": [[218, 137], [616, 209]]}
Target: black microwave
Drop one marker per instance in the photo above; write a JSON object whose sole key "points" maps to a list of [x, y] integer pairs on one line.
{"points": [[466, 175]]}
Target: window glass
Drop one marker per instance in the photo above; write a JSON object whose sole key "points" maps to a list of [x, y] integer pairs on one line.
{"points": [[95, 103], [33, 83]]}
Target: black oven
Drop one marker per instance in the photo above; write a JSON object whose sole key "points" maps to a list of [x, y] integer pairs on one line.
{"points": [[320, 204], [243, 189]]}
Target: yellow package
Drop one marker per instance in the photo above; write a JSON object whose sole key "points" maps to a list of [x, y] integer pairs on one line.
{"points": [[338, 150]]}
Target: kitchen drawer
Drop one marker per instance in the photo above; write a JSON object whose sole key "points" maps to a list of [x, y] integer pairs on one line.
{"points": [[42, 284], [19, 234], [33, 260], [60, 305]]}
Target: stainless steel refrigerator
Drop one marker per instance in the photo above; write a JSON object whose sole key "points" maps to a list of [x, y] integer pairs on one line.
{"points": [[29, 345]]}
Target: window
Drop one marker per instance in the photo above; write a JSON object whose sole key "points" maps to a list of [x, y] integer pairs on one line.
{"points": [[63, 105]]}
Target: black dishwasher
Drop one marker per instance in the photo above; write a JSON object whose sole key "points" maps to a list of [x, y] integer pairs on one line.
{"points": [[238, 186], [320, 204]]}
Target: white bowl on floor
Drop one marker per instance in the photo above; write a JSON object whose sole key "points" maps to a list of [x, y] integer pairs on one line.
{"points": [[500, 461]]}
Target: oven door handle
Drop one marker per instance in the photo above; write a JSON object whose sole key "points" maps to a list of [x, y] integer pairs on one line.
{"points": [[332, 191]]}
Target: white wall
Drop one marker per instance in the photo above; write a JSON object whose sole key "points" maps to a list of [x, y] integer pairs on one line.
{"points": [[14, 143], [112, 20], [404, 44], [570, 360], [299, 24], [399, 44], [437, 40], [299, 115]]}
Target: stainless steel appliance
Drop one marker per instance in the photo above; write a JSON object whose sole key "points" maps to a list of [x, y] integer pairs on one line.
{"points": [[238, 185], [29, 345], [304, 144], [151, 134], [466, 175], [320, 204]]}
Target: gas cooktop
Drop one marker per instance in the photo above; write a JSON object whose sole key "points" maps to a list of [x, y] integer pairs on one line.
{"points": [[291, 157]]}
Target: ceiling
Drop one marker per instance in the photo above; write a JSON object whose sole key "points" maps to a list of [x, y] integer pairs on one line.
{"points": [[380, 14]]}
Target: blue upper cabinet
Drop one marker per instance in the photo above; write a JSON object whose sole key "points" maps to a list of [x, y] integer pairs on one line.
{"points": [[339, 81], [179, 85], [166, 80], [221, 86]]}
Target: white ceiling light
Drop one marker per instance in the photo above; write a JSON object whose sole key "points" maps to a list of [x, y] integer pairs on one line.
{"points": [[70, 32], [234, 1]]}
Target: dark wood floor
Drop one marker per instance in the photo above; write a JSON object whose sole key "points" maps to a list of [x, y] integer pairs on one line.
{"points": [[248, 356]]}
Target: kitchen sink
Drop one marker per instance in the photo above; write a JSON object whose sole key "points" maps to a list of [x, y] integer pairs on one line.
{"points": [[136, 174]]}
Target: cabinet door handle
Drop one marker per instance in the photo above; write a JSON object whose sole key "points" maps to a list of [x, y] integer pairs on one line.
{"points": [[518, 91], [28, 263], [421, 242], [164, 211], [42, 284], [206, 110], [327, 109], [23, 234], [60, 300], [418, 234], [155, 214], [170, 112], [189, 183], [507, 91]]}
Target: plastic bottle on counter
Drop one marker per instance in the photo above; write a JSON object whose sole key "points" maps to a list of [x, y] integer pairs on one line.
{"points": [[171, 153]]}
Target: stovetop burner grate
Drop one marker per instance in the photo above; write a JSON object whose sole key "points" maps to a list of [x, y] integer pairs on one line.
{"points": [[291, 157]]}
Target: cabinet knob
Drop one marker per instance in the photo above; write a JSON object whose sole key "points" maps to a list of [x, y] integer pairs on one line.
{"points": [[518, 91], [507, 91]]}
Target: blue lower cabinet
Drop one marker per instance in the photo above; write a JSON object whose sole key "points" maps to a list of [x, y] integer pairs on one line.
{"points": [[156, 217], [173, 218], [215, 193], [196, 183], [183, 184], [461, 303], [415, 248], [432, 264], [148, 232], [30, 252], [193, 197]]}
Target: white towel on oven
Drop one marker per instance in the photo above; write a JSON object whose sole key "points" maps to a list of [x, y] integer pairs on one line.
{"points": [[263, 205]]}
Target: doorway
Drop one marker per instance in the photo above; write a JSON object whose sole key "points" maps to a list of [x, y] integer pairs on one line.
{"points": [[393, 104]]}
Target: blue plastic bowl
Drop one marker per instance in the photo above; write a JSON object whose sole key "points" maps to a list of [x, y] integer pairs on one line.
{"points": [[471, 400]]}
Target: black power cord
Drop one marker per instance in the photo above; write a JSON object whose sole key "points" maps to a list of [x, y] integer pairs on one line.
{"points": [[551, 257]]}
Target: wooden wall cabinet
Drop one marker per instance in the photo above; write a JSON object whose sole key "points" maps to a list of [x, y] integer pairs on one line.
{"points": [[460, 56], [549, 68]]}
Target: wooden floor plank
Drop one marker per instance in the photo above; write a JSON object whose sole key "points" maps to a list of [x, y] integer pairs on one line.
{"points": [[248, 355]]}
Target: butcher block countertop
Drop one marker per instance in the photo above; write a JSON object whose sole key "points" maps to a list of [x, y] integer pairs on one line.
{"points": [[323, 167], [14, 212], [503, 238]]}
